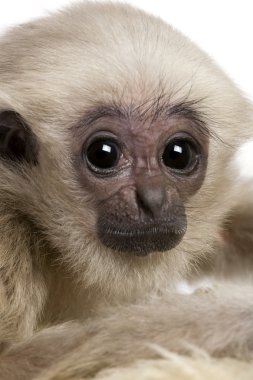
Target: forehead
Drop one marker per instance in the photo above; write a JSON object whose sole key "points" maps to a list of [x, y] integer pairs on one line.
{"points": [[57, 70], [98, 51]]}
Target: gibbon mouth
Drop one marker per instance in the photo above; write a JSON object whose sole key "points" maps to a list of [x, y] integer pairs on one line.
{"points": [[141, 241]]}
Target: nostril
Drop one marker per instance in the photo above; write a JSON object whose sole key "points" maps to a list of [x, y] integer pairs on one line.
{"points": [[151, 200]]}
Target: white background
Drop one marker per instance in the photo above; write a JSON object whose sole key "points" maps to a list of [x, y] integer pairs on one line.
{"points": [[224, 28]]}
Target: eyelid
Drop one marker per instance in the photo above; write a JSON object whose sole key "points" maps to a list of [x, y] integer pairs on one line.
{"points": [[100, 136]]}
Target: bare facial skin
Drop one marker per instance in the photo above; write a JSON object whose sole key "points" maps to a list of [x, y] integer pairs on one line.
{"points": [[142, 171], [116, 140]]}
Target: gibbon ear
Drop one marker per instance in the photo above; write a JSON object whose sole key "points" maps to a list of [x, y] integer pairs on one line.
{"points": [[17, 141]]}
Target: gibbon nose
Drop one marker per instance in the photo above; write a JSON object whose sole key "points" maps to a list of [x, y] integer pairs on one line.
{"points": [[151, 198]]}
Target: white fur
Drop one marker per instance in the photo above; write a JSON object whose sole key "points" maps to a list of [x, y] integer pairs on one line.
{"points": [[243, 161], [187, 288]]}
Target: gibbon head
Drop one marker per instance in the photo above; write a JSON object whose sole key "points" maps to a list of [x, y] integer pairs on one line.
{"points": [[116, 133]]}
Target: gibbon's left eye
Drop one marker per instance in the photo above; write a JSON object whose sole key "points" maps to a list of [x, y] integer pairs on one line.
{"points": [[180, 155], [103, 154]]}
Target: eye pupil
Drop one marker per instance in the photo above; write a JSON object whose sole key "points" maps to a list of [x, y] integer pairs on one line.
{"points": [[179, 155], [103, 154]]}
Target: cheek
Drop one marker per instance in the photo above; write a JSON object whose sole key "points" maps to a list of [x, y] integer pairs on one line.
{"points": [[102, 189], [187, 187]]}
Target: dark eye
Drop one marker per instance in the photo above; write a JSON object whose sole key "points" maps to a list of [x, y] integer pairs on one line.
{"points": [[180, 154], [103, 154]]}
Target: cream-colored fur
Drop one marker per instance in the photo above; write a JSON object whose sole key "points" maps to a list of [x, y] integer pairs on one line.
{"points": [[53, 268], [183, 368]]}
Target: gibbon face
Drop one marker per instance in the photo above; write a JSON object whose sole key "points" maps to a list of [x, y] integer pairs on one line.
{"points": [[142, 170], [116, 133]]}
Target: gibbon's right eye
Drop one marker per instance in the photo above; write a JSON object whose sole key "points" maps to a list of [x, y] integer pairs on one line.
{"points": [[103, 155]]}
